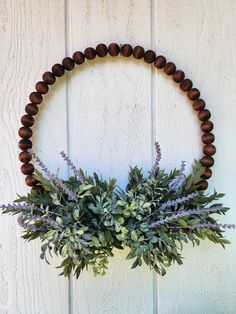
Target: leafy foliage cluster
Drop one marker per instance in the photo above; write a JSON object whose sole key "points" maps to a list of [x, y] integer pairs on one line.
{"points": [[149, 217]]}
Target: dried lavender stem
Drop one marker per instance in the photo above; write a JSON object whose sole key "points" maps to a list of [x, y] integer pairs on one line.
{"points": [[55, 180], [179, 201], [76, 172], [209, 225], [158, 158], [179, 179], [183, 214]]}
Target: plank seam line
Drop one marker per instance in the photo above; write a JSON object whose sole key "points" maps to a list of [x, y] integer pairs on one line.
{"points": [[155, 283], [66, 5]]}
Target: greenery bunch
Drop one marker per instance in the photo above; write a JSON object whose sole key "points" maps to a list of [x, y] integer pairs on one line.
{"points": [[85, 217]]}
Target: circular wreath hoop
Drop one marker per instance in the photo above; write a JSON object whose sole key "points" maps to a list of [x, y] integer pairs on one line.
{"points": [[149, 57], [85, 217]]}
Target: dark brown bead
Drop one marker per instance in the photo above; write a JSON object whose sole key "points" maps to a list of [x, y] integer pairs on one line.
{"points": [[207, 126], [25, 157], [25, 132], [138, 52], [78, 57], [90, 53], [101, 50], [27, 168], [149, 56], [58, 70], [208, 138], [31, 181], [68, 64], [199, 104], [31, 109], [178, 76], [169, 68], [209, 150], [25, 144], [126, 50], [207, 173], [41, 87], [202, 185], [204, 115], [49, 78], [37, 189], [27, 120], [160, 62], [114, 49], [186, 85], [193, 94], [207, 161], [36, 98]]}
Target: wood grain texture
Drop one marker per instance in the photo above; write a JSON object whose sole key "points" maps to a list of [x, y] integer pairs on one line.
{"points": [[30, 42], [110, 129]]}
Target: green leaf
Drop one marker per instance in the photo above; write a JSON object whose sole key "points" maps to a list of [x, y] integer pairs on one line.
{"points": [[134, 235]]}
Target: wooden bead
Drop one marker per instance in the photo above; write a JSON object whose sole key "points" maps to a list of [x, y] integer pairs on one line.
{"points": [[27, 120], [170, 68], [31, 181], [25, 144], [25, 157], [27, 168], [58, 70], [78, 57], [209, 150], [90, 53], [193, 94], [31, 109], [186, 85], [49, 78], [202, 185], [126, 50], [160, 62], [208, 138], [204, 115], [138, 52], [207, 174], [199, 104], [36, 98], [114, 49], [25, 132], [41, 87], [68, 64], [101, 50], [207, 126], [37, 189], [207, 161], [178, 76], [149, 56]]}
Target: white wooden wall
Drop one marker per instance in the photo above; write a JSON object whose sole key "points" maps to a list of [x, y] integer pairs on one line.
{"points": [[107, 117]]}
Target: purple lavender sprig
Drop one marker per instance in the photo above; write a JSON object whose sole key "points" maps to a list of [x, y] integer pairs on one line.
{"points": [[158, 158], [179, 179], [21, 207], [77, 173], [209, 225], [184, 213], [178, 201], [55, 180], [28, 222]]}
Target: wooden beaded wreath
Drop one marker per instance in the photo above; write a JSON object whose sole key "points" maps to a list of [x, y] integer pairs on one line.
{"points": [[85, 217], [126, 50]]}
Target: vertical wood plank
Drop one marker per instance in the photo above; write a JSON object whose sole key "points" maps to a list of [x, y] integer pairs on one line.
{"points": [[110, 129], [32, 34], [200, 37]]}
